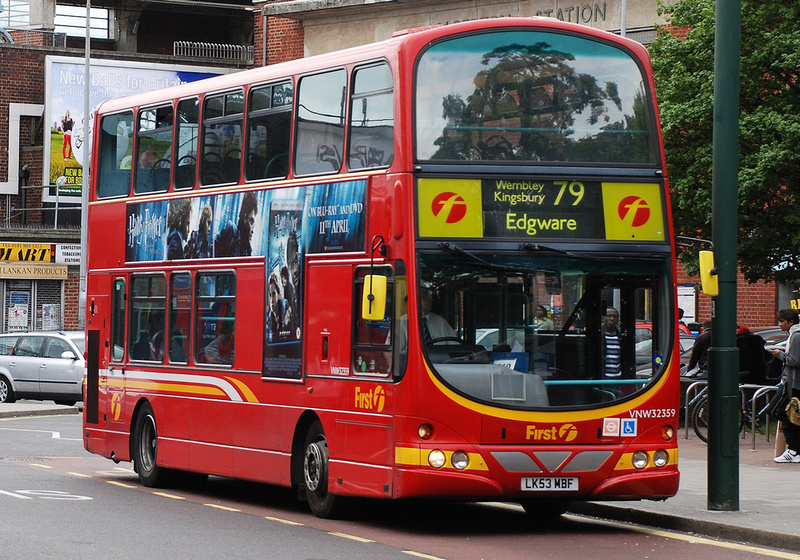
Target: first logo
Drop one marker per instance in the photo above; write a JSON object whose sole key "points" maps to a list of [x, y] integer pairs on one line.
{"points": [[450, 206]]}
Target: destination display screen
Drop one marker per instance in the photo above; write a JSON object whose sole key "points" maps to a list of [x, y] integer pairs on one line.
{"points": [[534, 209]]}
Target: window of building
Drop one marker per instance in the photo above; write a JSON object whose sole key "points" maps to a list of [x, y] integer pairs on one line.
{"points": [[32, 304], [71, 20], [15, 14]]}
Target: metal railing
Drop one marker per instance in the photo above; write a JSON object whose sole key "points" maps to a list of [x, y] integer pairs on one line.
{"points": [[213, 50], [62, 213], [37, 37]]}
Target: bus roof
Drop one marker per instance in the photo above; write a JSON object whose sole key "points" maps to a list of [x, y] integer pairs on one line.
{"points": [[415, 38]]}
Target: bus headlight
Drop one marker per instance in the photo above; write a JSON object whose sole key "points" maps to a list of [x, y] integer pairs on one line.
{"points": [[660, 458], [460, 460], [639, 460], [436, 458]]}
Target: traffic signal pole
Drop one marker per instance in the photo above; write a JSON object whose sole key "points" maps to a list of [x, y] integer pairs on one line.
{"points": [[723, 356]]}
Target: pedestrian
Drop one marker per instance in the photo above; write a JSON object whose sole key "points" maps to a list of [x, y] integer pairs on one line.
{"points": [[788, 320]]}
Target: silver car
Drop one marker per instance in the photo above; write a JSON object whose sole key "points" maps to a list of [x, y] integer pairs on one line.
{"points": [[42, 365]]}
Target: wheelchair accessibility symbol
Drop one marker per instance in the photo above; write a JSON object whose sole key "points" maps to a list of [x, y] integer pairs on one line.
{"points": [[628, 427]]}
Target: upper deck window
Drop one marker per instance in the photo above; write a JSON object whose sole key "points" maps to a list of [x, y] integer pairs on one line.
{"points": [[186, 137], [320, 123], [116, 153], [269, 132], [372, 118], [223, 117], [532, 96], [154, 149]]}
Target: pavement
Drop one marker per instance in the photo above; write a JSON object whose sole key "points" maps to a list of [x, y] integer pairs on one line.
{"points": [[769, 493]]}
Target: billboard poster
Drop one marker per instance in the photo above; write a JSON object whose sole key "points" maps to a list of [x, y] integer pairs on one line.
{"points": [[65, 88]]}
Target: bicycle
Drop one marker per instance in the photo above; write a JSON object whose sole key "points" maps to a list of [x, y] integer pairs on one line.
{"points": [[700, 416]]}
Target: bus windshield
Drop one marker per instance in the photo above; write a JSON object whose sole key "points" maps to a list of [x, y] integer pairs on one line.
{"points": [[532, 96], [560, 330]]}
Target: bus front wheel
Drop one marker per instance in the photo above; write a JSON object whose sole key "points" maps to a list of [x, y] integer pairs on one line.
{"points": [[145, 449], [315, 473]]}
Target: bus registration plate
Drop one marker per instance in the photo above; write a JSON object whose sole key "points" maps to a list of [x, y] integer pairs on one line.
{"points": [[549, 483]]}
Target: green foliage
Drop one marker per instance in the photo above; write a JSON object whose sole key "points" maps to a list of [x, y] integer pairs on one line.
{"points": [[769, 138]]}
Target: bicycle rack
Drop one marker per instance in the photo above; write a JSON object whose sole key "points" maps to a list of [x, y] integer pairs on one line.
{"points": [[754, 414], [691, 390]]}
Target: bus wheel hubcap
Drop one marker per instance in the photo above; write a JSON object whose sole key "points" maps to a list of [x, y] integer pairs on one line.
{"points": [[312, 466]]}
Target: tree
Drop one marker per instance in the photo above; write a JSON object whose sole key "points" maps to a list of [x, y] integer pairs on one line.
{"points": [[769, 137]]}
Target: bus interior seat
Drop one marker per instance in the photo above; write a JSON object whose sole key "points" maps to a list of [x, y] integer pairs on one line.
{"points": [[116, 183], [184, 176], [161, 176]]}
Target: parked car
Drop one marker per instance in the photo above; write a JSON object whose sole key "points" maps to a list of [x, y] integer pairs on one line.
{"points": [[42, 365]]}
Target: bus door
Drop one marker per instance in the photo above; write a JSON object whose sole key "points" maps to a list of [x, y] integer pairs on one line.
{"points": [[112, 367]]}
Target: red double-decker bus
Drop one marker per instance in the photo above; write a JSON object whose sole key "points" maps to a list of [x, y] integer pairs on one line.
{"points": [[438, 265]]}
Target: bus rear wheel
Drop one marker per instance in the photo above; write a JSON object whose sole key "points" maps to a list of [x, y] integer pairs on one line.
{"points": [[145, 449], [315, 473]]}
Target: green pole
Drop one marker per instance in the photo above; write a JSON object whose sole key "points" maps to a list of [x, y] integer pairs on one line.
{"points": [[723, 356]]}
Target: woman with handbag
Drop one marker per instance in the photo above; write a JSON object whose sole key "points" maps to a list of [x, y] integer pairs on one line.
{"points": [[788, 320]]}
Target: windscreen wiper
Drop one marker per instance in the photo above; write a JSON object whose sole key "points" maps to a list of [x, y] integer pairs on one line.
{"points": [[445, 246]]}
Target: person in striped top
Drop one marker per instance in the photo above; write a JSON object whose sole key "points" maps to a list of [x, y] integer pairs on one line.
{"points": [[612, 362]]}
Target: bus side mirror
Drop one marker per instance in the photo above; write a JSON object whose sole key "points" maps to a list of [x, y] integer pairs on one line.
{"points": [[709, 281], [373, 300]]}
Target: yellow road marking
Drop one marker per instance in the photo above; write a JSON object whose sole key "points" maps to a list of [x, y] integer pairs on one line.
{"points": [[284, 521], [421, 555], [695, 539], [120, 484], [79, 475], [223, 508], [41, 466], [351, 537], [165, 495]]}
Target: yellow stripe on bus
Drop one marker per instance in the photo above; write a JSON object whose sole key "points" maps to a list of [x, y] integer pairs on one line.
{"points": [[248, 395], [415, 457], [625, 462], [204, 390]]}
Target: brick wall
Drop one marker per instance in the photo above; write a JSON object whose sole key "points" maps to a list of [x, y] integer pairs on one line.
{"points": [[284, 39], [71, 299], [756, 303], [21, 81]]}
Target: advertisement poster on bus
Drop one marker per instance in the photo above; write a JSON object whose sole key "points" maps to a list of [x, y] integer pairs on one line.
{"points": [[337, 217], [284, 281], [65, 89]]}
